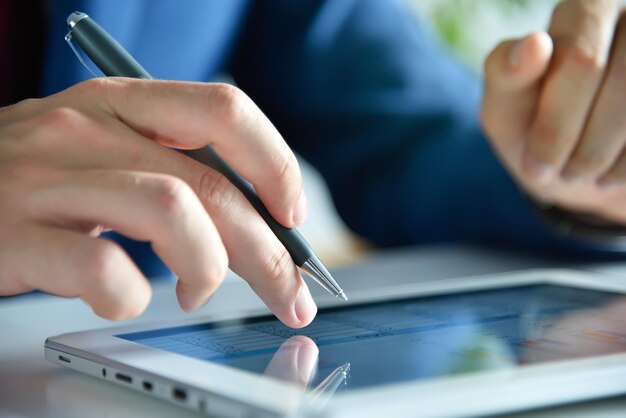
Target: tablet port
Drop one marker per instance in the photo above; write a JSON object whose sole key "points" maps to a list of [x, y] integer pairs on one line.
{"points": [[65, 359], [179, 394], [104, 372], [124, 378], [147, 386]]}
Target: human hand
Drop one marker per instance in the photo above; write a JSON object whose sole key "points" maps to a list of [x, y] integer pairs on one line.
{"points": [[553, 109], [96, 156]]}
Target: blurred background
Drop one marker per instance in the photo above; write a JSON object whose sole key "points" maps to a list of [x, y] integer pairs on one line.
{"points": [[469, 30]]}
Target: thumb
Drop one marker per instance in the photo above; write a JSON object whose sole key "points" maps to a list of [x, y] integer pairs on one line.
{"points": [[513, 74]]}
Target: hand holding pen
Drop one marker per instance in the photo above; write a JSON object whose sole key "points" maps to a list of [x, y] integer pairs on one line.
{"points": [[97, 156]]}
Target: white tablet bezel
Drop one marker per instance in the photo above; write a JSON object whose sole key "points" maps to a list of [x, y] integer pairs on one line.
{"points": [[220, 390]]}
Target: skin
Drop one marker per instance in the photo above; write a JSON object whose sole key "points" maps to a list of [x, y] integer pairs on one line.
{"points": [[93, 158], [96, 157], [553, 106]]}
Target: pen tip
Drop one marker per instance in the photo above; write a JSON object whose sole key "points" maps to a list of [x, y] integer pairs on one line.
{"points": [[314, 269]]}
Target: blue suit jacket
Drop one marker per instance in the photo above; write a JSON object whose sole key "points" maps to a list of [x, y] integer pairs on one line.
{"points": [[356, 87]]}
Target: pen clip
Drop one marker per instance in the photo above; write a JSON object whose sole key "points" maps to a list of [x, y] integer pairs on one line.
{"points": [[68, 39]]}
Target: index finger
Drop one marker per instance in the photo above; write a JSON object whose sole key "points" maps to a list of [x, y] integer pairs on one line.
{"points": [[190, 115]]}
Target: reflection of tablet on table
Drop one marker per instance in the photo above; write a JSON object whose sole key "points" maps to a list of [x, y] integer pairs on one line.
{"points": [[447, 348]]}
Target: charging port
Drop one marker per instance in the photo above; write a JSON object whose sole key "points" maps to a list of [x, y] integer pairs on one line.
{"points": [[179, 394], [124, 378], [65, 359], [147, 386]]}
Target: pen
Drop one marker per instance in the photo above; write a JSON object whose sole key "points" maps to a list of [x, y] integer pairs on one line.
{"points": [[113, 60]]}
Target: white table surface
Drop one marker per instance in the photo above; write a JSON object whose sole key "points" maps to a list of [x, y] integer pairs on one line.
{"points": [[32, 387]]}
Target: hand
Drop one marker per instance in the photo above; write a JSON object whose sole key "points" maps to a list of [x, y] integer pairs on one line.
{"points": [[96, 156], [553, 108]]}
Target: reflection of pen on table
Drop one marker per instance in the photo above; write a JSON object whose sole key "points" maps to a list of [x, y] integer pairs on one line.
{"points": [[114, 60]]}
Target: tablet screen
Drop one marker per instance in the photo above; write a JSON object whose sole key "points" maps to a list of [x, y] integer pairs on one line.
{"points": [[413, 339]]}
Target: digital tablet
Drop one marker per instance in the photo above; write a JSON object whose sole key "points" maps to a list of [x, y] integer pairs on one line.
{"points": [[446, 348]]}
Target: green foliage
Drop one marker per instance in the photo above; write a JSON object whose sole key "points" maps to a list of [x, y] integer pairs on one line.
{"points": [[471, 28]]}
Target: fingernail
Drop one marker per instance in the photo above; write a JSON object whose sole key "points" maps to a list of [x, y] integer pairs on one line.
{"points": [[301, 211], [515, 56], [304, 306]]}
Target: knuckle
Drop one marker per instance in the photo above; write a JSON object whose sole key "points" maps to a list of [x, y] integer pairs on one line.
{"points": [[61, 120], [98, 260], [232, 104], [279, 264], [582, 46], [583, 57], [171, 196], [216, 191]]}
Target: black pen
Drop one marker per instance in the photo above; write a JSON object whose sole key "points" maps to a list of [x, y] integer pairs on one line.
{"points": [[113, 60]]}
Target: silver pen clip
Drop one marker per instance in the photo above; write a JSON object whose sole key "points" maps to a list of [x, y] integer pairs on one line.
{"points": [[77, 52]]}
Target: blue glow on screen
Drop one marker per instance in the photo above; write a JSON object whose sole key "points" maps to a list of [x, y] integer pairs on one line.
{"points": [[418, 338]]}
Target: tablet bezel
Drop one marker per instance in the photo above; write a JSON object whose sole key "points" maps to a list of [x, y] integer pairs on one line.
{"points": [[221, 390]]}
